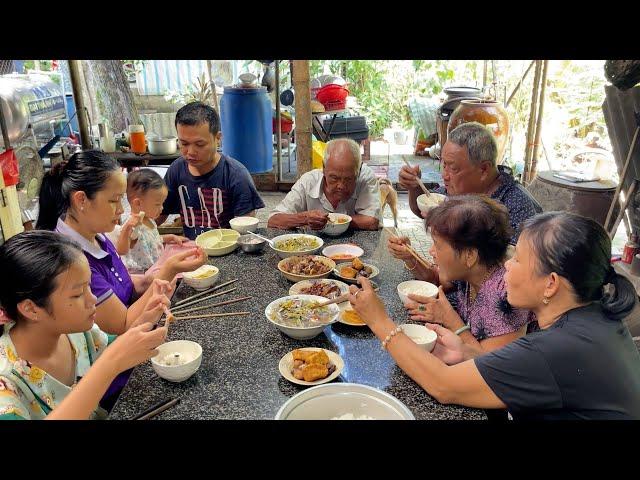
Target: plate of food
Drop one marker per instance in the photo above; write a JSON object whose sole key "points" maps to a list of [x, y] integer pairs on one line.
{"points": [[350, 271], [342, 252], [311, 366], [301, 316], [296, 244], [306, 267], [349, 316], [324, 287]]}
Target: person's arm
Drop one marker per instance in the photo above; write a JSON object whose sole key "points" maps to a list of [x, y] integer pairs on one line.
{"points": [[407, 179], [291, 212], [414, 193], [461, 384], [364, 222], [477, 348], [127, 351]]}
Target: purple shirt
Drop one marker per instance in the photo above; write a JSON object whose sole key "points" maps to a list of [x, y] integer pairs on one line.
{"points": [[108, 274], [490, 315]]}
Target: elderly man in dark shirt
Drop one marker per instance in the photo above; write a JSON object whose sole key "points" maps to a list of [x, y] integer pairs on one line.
{"points": [[469, 166], [469, 162]]}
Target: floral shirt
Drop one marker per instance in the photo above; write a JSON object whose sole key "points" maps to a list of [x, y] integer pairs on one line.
{"points": [[147, 249], [490, 315], [28, 392]]}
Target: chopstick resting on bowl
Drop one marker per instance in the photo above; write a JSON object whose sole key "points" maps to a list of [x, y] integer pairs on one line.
{"points": [[418, 179], [213, 315], [157, 409]]}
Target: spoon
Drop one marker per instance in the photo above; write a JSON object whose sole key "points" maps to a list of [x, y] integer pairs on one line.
{"points": [[270, 242]]}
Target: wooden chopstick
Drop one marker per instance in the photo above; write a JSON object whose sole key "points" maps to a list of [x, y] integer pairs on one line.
{"points": [[180, 308], [418, 258], [424, 189], [340, 299], [393, 233], [212, 315], [197, 295], [156, 409], [228, 302]]}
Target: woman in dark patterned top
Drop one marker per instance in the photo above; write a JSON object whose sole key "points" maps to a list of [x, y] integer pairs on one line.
{"points": [[470, 238]]}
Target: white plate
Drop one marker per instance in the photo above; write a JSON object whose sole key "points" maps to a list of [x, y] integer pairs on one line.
{"points": [[286, 364], [343, 248], [296, 288], [354, 281], [348, 307]]}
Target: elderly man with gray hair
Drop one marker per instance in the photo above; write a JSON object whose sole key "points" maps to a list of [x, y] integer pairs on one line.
{"points": [[469, 165], [345, 185]]}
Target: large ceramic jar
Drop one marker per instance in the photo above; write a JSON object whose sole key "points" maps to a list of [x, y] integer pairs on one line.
{"points": [[487, 112]]}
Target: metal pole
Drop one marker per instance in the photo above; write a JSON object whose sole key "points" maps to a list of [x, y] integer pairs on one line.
{"points": [[78, 97], [278, 126]]}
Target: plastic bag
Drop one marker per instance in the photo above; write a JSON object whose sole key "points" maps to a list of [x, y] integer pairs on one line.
{"points": [[9, 167]]}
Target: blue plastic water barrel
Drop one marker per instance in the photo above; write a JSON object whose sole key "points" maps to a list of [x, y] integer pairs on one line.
{"points": [[245, 115]]}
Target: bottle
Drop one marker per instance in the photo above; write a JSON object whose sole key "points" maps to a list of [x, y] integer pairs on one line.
{"points": [[630, 249], [137, 139]]}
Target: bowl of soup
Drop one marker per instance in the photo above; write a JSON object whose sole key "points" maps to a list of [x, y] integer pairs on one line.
{"points": [[296, 317]]}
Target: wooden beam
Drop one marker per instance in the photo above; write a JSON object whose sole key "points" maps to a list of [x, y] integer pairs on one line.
{"points": [[303, 115], [536, 142], [531, 125], [78, 97]]}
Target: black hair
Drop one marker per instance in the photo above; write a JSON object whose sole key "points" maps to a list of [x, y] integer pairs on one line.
{"points": [[30, 262], [579, 249], [197, 113], [473, 222], [86, 171], [143, 180]]}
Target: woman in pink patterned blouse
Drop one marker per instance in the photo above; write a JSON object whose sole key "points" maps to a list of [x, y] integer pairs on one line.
{"points": [[471, 234]]}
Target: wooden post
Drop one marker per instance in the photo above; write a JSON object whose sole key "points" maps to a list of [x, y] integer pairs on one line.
{"points": [[278, 126], [212, 86], [517, 87], [531, 126], [536, 142], [78, 97], [303, 115]]}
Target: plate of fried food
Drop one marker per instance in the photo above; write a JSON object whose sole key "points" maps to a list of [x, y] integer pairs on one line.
{"points": [[311, 366], [350, 271]]}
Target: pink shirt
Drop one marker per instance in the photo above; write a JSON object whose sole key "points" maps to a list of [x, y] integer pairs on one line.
{"points": [[490, 315]]}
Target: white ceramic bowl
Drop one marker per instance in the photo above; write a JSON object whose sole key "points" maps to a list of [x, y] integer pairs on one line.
{"points": [[218, 242], [300, 333], [202, 283], [427, 203], [421, 335], [244, 225], [343, 401], [342, 252], [284, 254], [333, 228], [417, 287], [282, 264], [178, 373]]}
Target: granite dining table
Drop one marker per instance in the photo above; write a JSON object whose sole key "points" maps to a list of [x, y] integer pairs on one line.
{"points": [[239, 377]]}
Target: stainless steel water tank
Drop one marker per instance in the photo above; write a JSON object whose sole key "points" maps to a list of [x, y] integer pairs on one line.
{"points": [[29, 99]]}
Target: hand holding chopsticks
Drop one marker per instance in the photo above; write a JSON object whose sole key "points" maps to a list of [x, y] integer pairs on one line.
{"points": [[409, 248], [418, 179]]}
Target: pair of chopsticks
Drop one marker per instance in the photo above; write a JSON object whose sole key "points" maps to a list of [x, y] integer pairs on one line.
{"points": [[198, 295], [410, 249], [181, 308], [156, 409], [340, 299], [419, 180], [228, 302]]}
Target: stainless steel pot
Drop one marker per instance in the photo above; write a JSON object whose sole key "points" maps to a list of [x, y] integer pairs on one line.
{"points": [[163, 145]]}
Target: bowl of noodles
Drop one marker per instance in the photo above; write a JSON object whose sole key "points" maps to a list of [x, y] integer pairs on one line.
{"points": [[296, 317], [293, 244]]}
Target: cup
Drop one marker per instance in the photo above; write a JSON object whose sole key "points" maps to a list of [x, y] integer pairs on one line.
{"points": [[137, 139]]}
